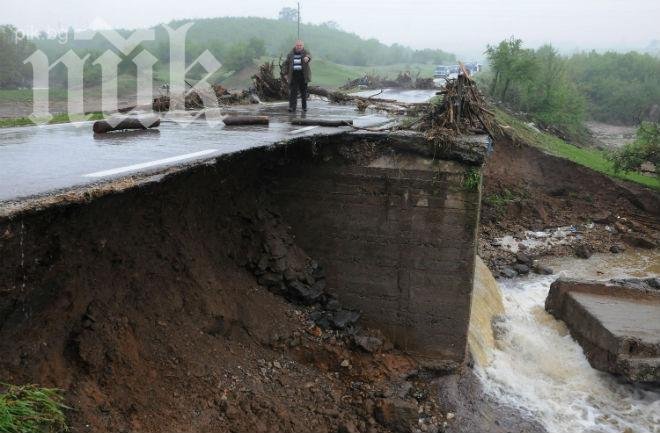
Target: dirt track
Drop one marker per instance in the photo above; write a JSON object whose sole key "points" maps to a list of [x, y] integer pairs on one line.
{"points": [[140, 306]]}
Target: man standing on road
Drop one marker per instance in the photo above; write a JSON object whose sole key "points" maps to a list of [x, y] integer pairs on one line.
{"points": [[298, 74]]}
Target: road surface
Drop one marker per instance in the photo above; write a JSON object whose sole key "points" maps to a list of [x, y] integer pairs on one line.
{"points": [[37, 161]]}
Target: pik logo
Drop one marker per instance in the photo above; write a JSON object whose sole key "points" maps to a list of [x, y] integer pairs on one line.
{"points": [[109, 63]]}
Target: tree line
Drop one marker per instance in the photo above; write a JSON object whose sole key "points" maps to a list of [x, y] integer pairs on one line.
{"points": [[563, 91], [560, 92], [13, 51], [236, 41]]}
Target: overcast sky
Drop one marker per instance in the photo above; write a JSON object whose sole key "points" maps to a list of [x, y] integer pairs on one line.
{"points": [[461, 26]]}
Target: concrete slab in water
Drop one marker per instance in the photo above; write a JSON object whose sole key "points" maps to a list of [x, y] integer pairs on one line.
{"points": [[616, 322]]}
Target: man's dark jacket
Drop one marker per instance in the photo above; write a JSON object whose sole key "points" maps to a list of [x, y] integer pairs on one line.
{"points": [[288, 66]]}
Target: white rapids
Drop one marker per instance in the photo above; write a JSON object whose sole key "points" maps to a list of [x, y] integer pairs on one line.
{"points": [[537, 367]]}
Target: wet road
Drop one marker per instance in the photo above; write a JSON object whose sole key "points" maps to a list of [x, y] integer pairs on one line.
{"points": [[37, 161]]}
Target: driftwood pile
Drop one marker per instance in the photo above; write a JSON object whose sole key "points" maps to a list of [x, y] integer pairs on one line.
{"points": [[463, 109], [194, 101], [267, 86], [404, 80], [424, 83]]}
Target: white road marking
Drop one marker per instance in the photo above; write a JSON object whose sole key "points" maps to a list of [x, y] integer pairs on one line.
{"points": [[150, 164], [306, 128]]}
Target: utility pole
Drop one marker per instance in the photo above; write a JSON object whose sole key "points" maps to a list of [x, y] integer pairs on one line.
{"points": [[298, 20]]}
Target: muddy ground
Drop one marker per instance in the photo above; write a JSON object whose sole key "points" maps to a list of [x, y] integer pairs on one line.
{"points": [[161, 325], [527, 190], [149, 308]]}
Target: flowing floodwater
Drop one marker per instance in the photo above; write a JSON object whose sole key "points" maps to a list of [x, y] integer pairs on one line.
{"points": [[535, 364]]}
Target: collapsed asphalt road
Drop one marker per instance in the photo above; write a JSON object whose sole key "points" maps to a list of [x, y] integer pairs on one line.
{"points": [[38, 161]]}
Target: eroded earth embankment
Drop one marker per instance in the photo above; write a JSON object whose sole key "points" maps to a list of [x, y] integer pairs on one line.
{"points": [[179, 304], [527, 190]]}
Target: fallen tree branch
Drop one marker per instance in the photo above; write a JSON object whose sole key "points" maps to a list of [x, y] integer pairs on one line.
{"points": [[322, 122], [125, 122], [245, 120]]}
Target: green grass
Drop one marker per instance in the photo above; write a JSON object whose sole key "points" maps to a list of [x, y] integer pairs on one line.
{"points": [[57, 118], [591, 158], [30, 409], [471, 179], [25, 95], [324, 73], [328, 74]]}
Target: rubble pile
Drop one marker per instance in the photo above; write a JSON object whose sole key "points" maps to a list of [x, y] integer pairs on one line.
{"points": [[286, 270]]}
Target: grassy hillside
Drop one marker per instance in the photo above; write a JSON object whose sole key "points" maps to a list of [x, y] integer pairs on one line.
{"points": [[591, 158], [328, 74], [219, 34]]}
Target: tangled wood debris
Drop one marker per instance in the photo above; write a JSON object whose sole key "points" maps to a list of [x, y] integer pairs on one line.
{"points": [[404, 80], [267, 86], [463, 109], [195, 101]]}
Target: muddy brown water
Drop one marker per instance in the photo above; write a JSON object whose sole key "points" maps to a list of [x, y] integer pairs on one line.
{"points": [[536, 366]]}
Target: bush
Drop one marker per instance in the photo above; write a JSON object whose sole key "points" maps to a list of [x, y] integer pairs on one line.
{"points": [[646, 147]]}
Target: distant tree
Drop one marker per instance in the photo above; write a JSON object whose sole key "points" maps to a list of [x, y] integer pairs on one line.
{"points": [[288, 14], [357, 57], [617, 86], [510, 63], [334, 25], [432, 56], [537, 82], [550, 95], [242, 54], [13, 51]]}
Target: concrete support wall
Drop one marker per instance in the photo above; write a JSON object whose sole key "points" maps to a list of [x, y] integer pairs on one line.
{"points": [[397, 236], [392, 220]]}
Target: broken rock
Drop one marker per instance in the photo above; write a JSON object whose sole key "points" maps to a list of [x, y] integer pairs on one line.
{"points": [[368, 343], [270, 279], [616, 249], [543, 270], [508, 272], [521, 269], [583, 251], [396, 414], [303, 293], [343, 318]]}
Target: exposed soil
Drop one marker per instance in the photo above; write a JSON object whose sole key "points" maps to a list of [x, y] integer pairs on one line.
{"points": [[146, 307], [525, 189]]}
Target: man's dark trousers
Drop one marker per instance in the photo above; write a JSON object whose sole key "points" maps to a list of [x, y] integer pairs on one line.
{"points": [[296, 85]]}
